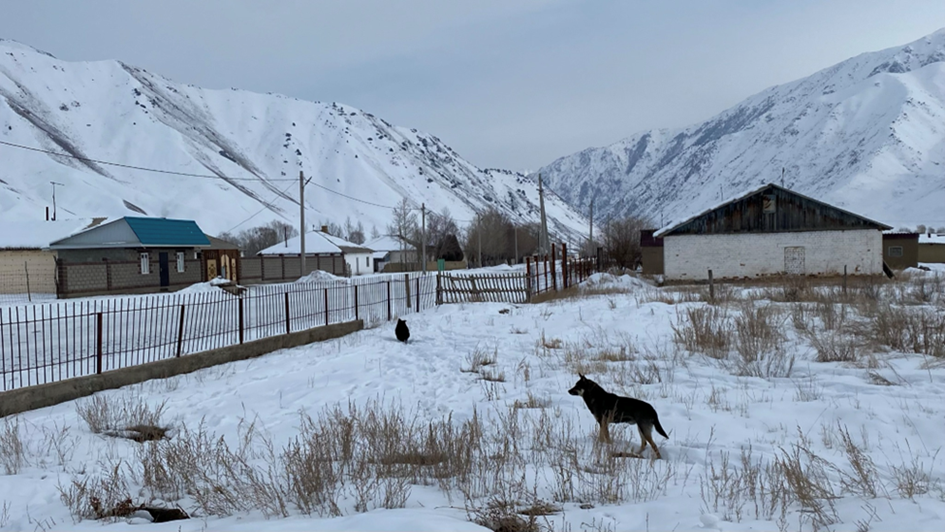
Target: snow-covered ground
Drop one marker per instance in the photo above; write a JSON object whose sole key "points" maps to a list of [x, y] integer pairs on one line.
{"points": [[506, 369]]}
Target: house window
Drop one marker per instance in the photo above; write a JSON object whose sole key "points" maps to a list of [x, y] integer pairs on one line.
{"points": [[180, 262], [145, 264], [895, 251], [367, 261]]}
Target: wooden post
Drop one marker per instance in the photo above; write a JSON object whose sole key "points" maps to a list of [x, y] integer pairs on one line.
{"points": [[528, 278], [388, 302], [29, 294], [546, 273], [407, 290], [180, 332], [326, 306], [418, 294], [241, 318], [844, 279], [98, 343], [355, 302], [564, 265], [439, 295], [554, 270], [288, 328], [711, 287]]}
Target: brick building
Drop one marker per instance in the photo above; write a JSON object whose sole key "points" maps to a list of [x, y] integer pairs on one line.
{"points": [[130, 255], [771, 230]]}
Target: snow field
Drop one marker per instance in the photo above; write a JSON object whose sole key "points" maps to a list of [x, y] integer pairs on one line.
{"points": [[471, 421]]}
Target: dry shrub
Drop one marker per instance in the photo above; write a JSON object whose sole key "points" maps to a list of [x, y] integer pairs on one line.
{"points": [[109, 413], [12, 449], [532, 402], [478, 358], [833, 346], [910, 330], [98, 496], [912, 479], [500, 516], [759, 342], [806, 479], [704, 329], [749, 488], [864, 480]]}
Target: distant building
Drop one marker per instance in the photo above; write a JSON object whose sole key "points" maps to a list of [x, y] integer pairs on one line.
{"points": [[391, 249], [652, 252], [771, 230], [931, 248], [322, 252]]}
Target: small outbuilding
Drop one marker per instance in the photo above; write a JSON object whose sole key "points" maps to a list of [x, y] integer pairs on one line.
{"points": [[931, 248], [771, 230], [900, 250]]}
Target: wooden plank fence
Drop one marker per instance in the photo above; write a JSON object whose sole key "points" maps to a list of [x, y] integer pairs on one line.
{"points": [[477, 288]]}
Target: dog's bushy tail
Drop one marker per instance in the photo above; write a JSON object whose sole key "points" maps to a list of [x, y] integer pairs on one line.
{"points": [[659, 428]]}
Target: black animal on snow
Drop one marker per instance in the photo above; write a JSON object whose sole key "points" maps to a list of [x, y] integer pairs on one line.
{"points": [[402, 332]]}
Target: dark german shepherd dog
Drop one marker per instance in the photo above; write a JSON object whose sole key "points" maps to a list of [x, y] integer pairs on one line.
{"points": [[609, 408]]}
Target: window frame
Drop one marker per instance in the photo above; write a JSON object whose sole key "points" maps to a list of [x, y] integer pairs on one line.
{"points": [[897, 254], [144, 264], [181, 265]]}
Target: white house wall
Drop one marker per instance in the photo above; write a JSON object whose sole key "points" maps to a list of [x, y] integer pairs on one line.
{"points": [[360, 263], [689, 257]]}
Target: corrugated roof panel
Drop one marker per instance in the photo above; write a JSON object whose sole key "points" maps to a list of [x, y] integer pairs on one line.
{"points": [[167, 232]]}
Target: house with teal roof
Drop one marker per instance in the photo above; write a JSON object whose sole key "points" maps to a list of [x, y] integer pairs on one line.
{"points": [[131, 255]]}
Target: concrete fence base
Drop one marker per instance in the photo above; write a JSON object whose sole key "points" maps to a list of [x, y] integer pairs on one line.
{"points": [[43, 395]]}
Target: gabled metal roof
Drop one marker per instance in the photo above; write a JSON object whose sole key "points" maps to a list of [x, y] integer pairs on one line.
{"points": [[137, 232]]}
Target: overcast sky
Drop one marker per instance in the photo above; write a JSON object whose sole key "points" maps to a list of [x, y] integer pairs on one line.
{"points": [[507, 83]]}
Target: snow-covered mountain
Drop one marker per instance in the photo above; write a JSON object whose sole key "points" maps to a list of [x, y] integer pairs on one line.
{"points": [[252, 147], [867, 134]]}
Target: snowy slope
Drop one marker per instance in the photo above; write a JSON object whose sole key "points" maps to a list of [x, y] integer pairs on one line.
{"points": [[255, 143], [867, 134]]}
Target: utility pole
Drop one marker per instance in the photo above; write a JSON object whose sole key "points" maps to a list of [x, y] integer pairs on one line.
{"points": [[515, 229], [479, 235], [54, 185], [302, 183], [543, 232], [782, 177], [590, 240], [423, 236]]}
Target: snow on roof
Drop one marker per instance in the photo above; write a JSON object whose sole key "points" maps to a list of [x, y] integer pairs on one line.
{"points": [[346, 246], [742, 195], [386, 243], [316, 242], [931, 239], [38, 234]]}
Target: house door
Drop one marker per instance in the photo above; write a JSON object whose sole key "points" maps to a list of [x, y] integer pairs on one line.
{"points": [[794, 260], [165, 272]]}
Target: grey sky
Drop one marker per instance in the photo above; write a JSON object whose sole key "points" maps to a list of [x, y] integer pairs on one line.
{"points": [[507, 83]]}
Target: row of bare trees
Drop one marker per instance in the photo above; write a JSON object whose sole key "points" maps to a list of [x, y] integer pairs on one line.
{"points": [[493, 236]]}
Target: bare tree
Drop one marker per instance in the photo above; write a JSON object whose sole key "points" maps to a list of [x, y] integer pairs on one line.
{"points": [[256, 239], [404, 226], [621, 240], [440, 226]]}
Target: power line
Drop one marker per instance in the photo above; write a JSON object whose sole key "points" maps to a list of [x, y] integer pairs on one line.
{"points": [[260, 210], [133, 167]]}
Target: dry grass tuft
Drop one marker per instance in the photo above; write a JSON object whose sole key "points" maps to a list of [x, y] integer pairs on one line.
{"points": [[110, 414]]}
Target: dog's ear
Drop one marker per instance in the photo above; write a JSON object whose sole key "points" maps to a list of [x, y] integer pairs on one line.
{"points": [[581, 376]]}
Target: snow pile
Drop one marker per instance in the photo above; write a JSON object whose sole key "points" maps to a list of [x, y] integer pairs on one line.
{"points": [[606, 281], [321, 276]]}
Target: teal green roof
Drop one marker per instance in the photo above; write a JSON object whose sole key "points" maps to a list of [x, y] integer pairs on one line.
{"points": [[167, 232]]}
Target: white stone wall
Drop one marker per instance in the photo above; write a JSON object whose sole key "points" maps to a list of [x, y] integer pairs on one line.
{"points": [[689, 257]]}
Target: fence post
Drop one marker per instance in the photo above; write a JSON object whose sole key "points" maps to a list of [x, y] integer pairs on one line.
{"points": [[711, 287], [418, 294], [355, 302], [388, 301], [528, 279], [439, 295], [98, 343], [564, 265], [29, 293], [407, 290], [326, 306], [554, 270], [288, 328], [180, 332], [546, 273], [844, 279], [241, 318]]}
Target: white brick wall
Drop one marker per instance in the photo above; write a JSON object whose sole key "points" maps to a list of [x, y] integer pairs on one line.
{"points": [[689, 257]]}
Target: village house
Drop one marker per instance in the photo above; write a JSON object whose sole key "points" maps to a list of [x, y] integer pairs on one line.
{"points": [[390, 250], [900, 249], [130, 255], [931, 248], [771, 230], [283, 260]]}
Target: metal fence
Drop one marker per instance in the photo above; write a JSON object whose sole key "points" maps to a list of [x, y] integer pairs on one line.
{"points": [[45, 343]]}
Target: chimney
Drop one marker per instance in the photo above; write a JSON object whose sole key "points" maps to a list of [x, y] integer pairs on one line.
{"points": [[325, 229]]}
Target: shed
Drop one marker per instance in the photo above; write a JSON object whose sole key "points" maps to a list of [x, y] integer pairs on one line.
{"points": [[359, 259], [282, 261], [391, 249], [221, 259], [651, 251], [130, 255], [931, 248], [771, 230], [900, 250]]}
